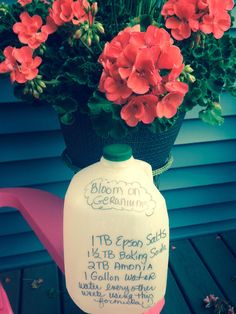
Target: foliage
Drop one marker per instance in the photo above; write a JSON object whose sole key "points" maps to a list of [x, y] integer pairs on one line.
{"points": [[68, 71]]}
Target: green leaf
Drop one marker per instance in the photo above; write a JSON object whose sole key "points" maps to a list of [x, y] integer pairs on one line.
{"points": [[198, 52], [232, 90], [215, 85], [118, 131], [98, 104], [212, 115], [196, 94], [65, 104], [59, 110], [67, 118]]}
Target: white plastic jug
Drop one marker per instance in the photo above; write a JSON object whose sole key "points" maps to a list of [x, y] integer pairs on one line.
{"points": [[116, 236]]}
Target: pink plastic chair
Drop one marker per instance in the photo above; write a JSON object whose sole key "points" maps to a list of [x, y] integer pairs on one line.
{"points": [[44, 213], [5, 307]]}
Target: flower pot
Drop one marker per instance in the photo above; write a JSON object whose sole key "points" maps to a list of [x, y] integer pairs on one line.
{"points": [[84, 146]]}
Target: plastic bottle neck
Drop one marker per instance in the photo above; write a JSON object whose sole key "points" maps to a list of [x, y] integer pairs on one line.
{"points": [[117, 164]]}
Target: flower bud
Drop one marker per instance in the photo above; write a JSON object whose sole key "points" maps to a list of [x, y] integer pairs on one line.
{"points": [[94, 8], [188, 69], [78, 33], [39, 89], [26, 91], [4, 8], [191, 78], [85, 26], [99, 27], [88, 40], [36, 94], [96, 38], [42, 84]]}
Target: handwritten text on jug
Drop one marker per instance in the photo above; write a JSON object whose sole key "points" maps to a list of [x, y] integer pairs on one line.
{"points": [[121, 271], [119, 195]]}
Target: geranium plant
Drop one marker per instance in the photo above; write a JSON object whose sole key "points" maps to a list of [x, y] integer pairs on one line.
{"points": [[124, 63]]}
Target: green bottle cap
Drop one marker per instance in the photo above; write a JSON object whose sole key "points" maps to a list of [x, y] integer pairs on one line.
{"points": [[117, 152]]}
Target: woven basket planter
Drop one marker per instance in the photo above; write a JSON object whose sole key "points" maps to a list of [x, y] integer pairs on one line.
{"points": [[84, 146]]}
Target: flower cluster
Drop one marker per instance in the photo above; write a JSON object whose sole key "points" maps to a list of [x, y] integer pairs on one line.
{"points": [[218, 305], [20, 63], [77, 12], [186, 16], [141, 71], [33, 33], [124, 63]]}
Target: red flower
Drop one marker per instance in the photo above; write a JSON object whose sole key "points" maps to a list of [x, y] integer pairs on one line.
{"points": [[144, 74], [169, 104], [83, 12], [61, 11], [24, 2], [185, 19], [170, 58], [176, 86], [50, 26], [216, 24], [113, 49], [133, 62], [20, 63], [185, 16], [156, 35], [202, 4], [140, 108], [218, 20], [116, 89], [28, 30], [126, 60]]}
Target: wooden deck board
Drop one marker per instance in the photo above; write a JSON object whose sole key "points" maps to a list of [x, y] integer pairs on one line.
{"points": [[192, 275], [230, 240], [69, 306], [11, 283], [196, 270], [174, 298], [219, 261], [40, 298]]}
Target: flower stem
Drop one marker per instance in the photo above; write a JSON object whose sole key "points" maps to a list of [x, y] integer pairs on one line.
{"points": [[114, 15], [89, 49], [13, 18], [99, 46], [52, 82]]}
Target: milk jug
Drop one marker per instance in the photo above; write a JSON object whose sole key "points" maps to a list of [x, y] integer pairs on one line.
{"points": [[116, 236]]}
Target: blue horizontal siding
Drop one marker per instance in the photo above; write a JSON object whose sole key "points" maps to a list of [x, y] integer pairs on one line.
{"points": [[12, 223], [26, 146], [24, 260], [23, 117], [199, 189], [199, 196], [213, 227], [17, 244], [199, 215], [204, 153], [198, 176], [53, 169]]}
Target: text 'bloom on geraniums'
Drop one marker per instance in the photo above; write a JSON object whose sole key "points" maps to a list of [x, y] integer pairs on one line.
{"points": [[186, 16], [141, 71], [20, 64]]}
